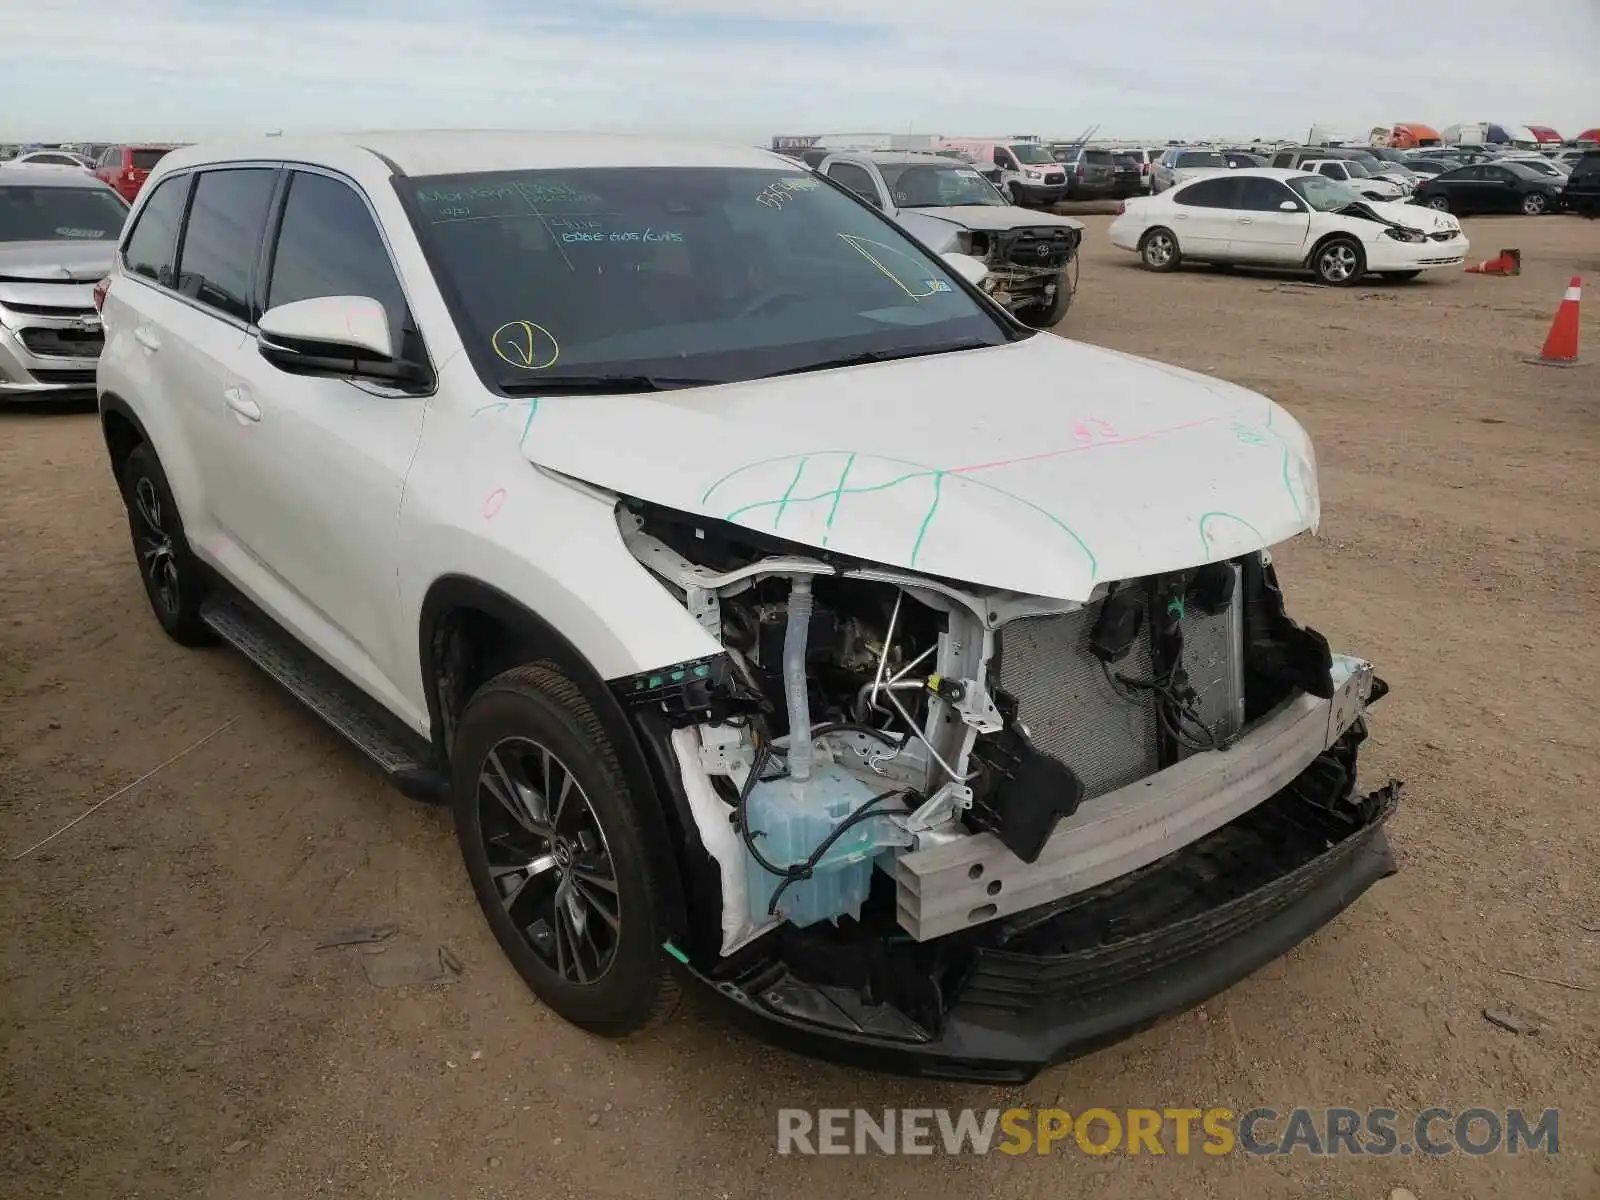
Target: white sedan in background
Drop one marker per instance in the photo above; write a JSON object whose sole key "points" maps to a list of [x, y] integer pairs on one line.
{"points": [[1265, 216]]}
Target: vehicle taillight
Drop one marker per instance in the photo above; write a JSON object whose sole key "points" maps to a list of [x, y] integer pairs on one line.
{"points": [[100, 293]]}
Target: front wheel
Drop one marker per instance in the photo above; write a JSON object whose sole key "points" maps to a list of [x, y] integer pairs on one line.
{"points": [[1439, 203], [167, 567], [1339, 262], [557, 853], [1047, 314], [1158, 250], [1534, 204], [1014, 194]]}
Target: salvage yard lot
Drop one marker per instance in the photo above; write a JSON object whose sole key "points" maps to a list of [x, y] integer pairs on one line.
{"points": [[169, 1028]]}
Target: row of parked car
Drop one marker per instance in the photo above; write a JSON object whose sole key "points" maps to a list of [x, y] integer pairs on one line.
{"points": [[125, 167]]}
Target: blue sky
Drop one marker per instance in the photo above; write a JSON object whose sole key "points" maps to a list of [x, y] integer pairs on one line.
{"points": [[184, 69]]}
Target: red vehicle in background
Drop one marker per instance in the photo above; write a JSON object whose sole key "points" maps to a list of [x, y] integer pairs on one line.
{"points": [[126, 168]]}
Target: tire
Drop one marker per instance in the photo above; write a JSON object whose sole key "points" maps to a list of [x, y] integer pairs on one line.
{"points": [[1400, 276], [1014, 194], [1535, 204], [606, 972], [1047, 316], [1158, 250], [1339, 262], [172, 578], [1439, 203]]}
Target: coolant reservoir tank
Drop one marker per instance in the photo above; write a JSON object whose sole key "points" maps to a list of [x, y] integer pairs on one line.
{"points": [[789, 820]]}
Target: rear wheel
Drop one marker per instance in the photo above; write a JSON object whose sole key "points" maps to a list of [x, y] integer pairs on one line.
{"points": [[556, 852], [1158, 250], [167, 567], [1534, 204], [1339, 262]]}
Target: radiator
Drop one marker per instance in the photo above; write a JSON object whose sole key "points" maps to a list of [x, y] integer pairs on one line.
{"points": [[1107, 736]]}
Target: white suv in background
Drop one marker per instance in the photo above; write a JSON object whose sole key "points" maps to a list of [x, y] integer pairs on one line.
{"points": [[705, 542]]}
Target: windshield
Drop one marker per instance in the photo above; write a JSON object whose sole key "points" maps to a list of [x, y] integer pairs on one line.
{"points": [[59, 214], [936, 185], [1199, 158], [1324, 194], [1031, 154], [701, 274]]}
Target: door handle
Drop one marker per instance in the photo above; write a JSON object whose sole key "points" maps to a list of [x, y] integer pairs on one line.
{"points": [[146, 339], [1247, 220], [241, 404], [1180, 216]]}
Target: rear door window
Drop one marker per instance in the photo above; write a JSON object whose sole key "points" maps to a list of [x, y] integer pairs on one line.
{"points": [[150, 248], [1210, 193], [222, 238]]}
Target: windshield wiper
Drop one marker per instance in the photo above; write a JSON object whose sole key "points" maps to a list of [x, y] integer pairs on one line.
{"points": [[598, 384], [876, 356]]}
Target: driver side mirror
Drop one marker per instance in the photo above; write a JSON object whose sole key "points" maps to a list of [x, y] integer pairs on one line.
{"points": [[1289, 206], [338, 336]]}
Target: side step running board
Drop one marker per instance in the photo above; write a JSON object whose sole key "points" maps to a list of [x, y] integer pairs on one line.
{"points": [[371, 729]]}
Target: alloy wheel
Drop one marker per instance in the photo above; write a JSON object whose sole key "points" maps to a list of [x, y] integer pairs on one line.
{"points": [[549, 860], [1533, 204], [156, 555], [1338, 263], [1158, 250]]}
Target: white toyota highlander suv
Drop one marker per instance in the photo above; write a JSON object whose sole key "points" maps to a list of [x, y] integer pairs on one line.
{"points": [[772, 608]]}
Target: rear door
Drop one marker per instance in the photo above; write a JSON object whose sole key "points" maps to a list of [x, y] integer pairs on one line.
{"points": [[212, 316], [1204, 215], [317, 466]]}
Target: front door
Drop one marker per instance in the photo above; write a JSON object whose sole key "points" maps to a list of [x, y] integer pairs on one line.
{"points": [[1263, 230], [321, 463]]}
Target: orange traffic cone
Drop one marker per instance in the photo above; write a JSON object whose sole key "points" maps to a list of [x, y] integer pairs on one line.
{"points": [[1509, 262], [1561, 347]]}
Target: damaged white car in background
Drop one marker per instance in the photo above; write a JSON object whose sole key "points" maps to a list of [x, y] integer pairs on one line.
{"points": [[773, 609], [1272, 217]]}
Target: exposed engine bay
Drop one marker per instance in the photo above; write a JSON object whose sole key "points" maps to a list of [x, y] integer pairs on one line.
{"points": [[877, 748]]}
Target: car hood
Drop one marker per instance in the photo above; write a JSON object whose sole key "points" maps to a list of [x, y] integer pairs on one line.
{"points": [[1044, 466], [1412, 216], [56, 261], [993, 217]]}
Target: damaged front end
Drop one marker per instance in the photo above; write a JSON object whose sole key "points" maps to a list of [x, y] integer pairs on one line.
{"points": [[1029, 267], [944, 830]]}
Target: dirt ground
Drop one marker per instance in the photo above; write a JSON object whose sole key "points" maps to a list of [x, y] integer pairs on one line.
{"points": [[169, 1028]]}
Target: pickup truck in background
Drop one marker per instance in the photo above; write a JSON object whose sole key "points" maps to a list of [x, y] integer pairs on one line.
{"points": [[948, 205]]}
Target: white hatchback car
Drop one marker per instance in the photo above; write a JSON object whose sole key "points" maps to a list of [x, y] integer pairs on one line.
{"points": [[770, 605], [1265, 216]]}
